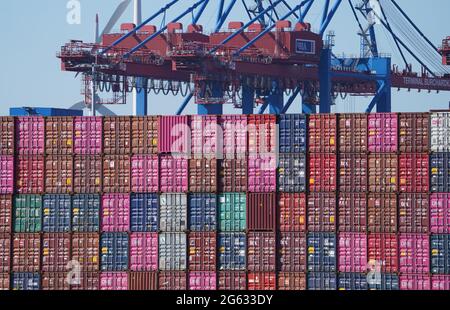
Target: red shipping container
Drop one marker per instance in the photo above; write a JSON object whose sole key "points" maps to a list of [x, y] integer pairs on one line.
{"points": [[234, 130], [4, 280], [5, 253], [172, 280], [7, 135], [59, 135], [6, 174], [292, 252], [174, 134], [87, 281], [413, 212], [202, 251], [144, 133], [291, 281], [55, 252], [173, 174], [353, 133], [261, 212], [383, 252], [322, 172], [202, 281], [262, 173], [352, 252], [353, 173], [203, 175], [382, 213], [261, 251], [232, 280], [5, 213], [440, 213], [30, 135], [352, 209], [383, 171], [204, 135], [413, 173], [145, 174], [115, 212], [414, 253], [55, 281], [322, 133], [30, 174], [116, 174], [233, 175], [115, 281], [414, 132], [292, 212], [58, 174], [262, 131], [26, 255], [382, 132], [440, 282], [262, 281], [413, 282], [117, 135], [85, 250], [143, 281], [322, 212], [87, 174], [88, 135], [144, 252]]}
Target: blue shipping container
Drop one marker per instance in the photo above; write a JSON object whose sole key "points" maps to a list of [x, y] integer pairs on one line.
{"points": [[293, 135], [114, 251], [28, 111], [26, 281], [232, 251], [203, 212], [322, 281], [56, 213], [352, 281], [322, 252], [292, 173], [440, 172], [383, 281], [144, 212], [86, 213], [440, 254]]}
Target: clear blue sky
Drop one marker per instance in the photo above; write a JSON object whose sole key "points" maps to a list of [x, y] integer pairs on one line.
{"points": [[33, 31]]}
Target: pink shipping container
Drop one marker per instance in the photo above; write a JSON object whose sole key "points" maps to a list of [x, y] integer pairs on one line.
{"points": [[115, 281], [322, 212], [352, 209], [234, 130], [262, 173], [174, 134], [145, 174], [414, 253], [30, 174], [55, 252], [383, 252], [322, 133], [174, 174], [262, 134], [413, 173], [144, 252], [5, 213], [261, 251], [413, 213], [6, 174], [88, 135], [322, 172], [440, 282], [115, 212], [383, 132], [202, 281], [414, 282], [30, 135], [204, 135], [352, 252], [440, 213], [292, 212]]}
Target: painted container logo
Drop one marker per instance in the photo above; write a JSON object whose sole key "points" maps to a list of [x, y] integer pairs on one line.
{"points": [[305, 46]]}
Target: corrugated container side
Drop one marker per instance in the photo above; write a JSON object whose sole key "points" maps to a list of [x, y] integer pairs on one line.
{"points": [[439, 282], [85, 250], [321, 252], [233, 175], [55, 281], [86, 213], [382, 213], [116, 174], [234, 129], [55, 252], [30, 135], [173, 174], [144, 212], [322, 281], [26, 281], [144, 252], [114, 251], [88, 281], [202, 281], [58, 174], [413, 173], [262, 134], [322, 172], [4, 280], [440, 172], [115, 214], [292, 252], [143, 281], [414, 132], [322, 133], [383, 173], [261, 212], [292, 173], [440, 254], [262, 281], [145, 174], [30, 171], [173, 280], [291, 281], [383, 132], [352, 252], [232, 281], [352, 209], [27, 216], [382, 251], [56, 213], [116, 281], [26, 253], [174, 134], [6, 174], [353, 133], [383, 281], [87, 174], [440, 213], [7, 135], [173, 212], [232, 249], [352, 281], [353, 173], [293, 133], [261, 252], [413, 213], [203, 175], [413, 282], [292, 212], [5, 253], [172, 251], [204, 135], [88, 132], [321, 212], [440, 132], [262, 173], [203, 212], [414, 253], [145, 135], [117, 135], [6, 211], [202, 251], [59, 135], [232, 211]]}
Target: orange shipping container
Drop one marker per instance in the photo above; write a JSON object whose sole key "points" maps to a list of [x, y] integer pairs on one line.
{"points": [[382, 213], [116, 174], [144, 133], [58, 174], [87, 174], [7, 136], [414, 132], [117, 135], [353, 173], [203, 175], [383, 173], [59, 135], [322, 133], [353, 133]]}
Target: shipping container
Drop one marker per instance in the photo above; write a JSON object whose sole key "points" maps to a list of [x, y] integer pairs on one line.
{"points": [[145, 135], [87, 174], [88, 137], [440, 172], [86, 281], [292, 252], [85, 251], [413, 210], [322, 133], [352, 212], [56, 213], [440, 213], [382, 213], [232, 175], [7, 137], [234, 130], [322, 172], [26, 281], [6, 211], [145, 174], [352, 282], [352, 253], [232, 212], [383, 281], [414, 132], [382, 132], [261, 212], [293, 133], [30, 171], [382, 252], [202, 281], [413, 282], [115, 281], [262, 281], [321, 212], [144, 212], [5, 253], [321, 252], [203, 175], [292, 173], [440, 132], [55, 252], [172, 251], [262, 173], [58, 174], [144, 251], [4, 281], [30, 135], [414, 253], [232, 281], [86, 213], [261, 252], [203, 212], [173, 212], [382, 173], [173, 174], [292, 212], [202, 251], [440, 282], [413, 173], [291, 281], [172, 280], [262, 134], [116, 135], [174, 134], [353, 133], [114, 251], [204, 136], [59, 135], [143, 281], [116, 174], [6, 174], [322, 281], [353, 173], [115, 215], [26, 253], [27, 216], [440, 254], [55, 281], [232, 250]]}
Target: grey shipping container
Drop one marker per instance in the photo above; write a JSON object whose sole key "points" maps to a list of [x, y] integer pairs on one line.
{"points": [[56, 213], [322, 281], [25, 281], [292, 173], [144, 212], [114, 251], [203, 212], [293, 135], [321, 252], [172, 251], [86, 213], [352, 281], [232, 212], [173, 212], [232, 251], [440, 254], [440, 172], [383, 281]]}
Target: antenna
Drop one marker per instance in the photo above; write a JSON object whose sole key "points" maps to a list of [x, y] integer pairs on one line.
{"points": [[97, 29]]}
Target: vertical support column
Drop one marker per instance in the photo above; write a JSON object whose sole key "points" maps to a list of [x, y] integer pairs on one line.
{"points": [[212, 109], [325, 81], [140, 99], [275, 99], [382, 66], [307, 106], [248, 99]]}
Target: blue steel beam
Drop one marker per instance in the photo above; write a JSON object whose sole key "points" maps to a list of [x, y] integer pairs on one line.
{"points": [[330, 16], [263, 107], [200, 12], [291, 100], [325, 11], [185, 103], [377, 97], [306, 11], [220, 11], [290, 8], [225, 14]]}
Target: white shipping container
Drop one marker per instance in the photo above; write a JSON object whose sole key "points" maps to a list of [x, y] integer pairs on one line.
{"points": [[173, 212], [440, 132], [172, 251]]}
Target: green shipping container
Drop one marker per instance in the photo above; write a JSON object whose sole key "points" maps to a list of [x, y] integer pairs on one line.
{"points": [[27, 213], [232, 212]]}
